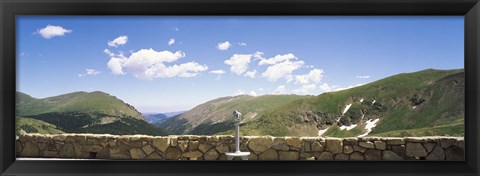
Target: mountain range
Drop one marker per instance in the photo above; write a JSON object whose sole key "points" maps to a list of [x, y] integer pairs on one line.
{"points": [[424, 103]]}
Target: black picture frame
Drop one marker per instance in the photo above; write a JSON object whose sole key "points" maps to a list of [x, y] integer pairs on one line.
{"points": [[470, 9]]}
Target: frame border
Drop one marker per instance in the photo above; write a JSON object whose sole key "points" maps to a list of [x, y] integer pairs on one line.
{"points": [[9, 9]]}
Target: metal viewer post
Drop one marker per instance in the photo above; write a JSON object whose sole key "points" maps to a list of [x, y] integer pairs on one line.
{"points": [[243, 155]]}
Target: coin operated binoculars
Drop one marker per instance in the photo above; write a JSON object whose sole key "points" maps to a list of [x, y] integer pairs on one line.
{"points": [[237, 153]]}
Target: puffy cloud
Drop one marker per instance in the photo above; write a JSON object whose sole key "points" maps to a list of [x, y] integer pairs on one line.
{"points": [[349, 87], [252, 93], [326, 88], [224, 46], [171, 41], [251, 74], [239, 92], [218, 72], [314, 76], [282, 70], [363, 77], [51, 31], [305, 89], [242, 44], [148, 64], [280, 90], [258, 55], [239, 63], [121, 40], [89, 72], [276, 59]]}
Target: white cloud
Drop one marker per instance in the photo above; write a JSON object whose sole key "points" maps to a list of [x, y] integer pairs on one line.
{"points": [[239, 92], [252, 93], [314, 76], [148, 64], [282, 70], [108, 52], [239, 63], [218, 72], [121, 40], [349, 87], [258, 55], [363, 77], [171, 41], [326, 88], [280, 90], [51, 31], [90, 72], [276, 59], [224, 46], [242, 44], [251, 74], [305, 89]]}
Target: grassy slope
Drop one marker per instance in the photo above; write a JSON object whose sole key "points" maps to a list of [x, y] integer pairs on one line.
{"points": [[30, 125], [79, 102], [200, 120], [399, 116]]}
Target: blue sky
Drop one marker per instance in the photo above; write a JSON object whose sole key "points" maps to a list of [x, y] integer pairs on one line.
{"points": [[168, 63]]}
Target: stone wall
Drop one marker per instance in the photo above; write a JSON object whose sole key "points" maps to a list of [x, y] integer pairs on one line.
{"points": [[261, 147]]}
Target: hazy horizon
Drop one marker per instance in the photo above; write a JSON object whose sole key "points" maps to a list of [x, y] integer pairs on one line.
{"points": [[169, 64]]}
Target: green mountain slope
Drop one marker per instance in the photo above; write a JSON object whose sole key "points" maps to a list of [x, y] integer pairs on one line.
{"points": [[424, 99], [216, 115], [30, 125], [82, 112]]}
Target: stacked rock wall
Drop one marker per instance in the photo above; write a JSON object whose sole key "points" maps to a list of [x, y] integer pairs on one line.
{"points": [[93, 146]]}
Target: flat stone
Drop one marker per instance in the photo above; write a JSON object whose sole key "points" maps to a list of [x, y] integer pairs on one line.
{"points": [[447, 142], [183, 144], [357, 148], [417, 139], [367, 144], [137, 153], [148, 149], [67, 151], [259, 145], [356, 156], [428, 146], [193, 145], [290, 155], [347, 149], [204, 147], [350, 141], [154, 156], [399, 150], [381, 145], [252, 157], [342, 156], [92, 148], [334, 145], [30, 150], [294, 142], [415, 150], [161, 143], [173, 153], [325, 156], [454, 153], [317, 147], [211, 154], [437, 154], [223, 148], [389, 155], [372, 154], [269, 154], [395, 141], [281, 146]]}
